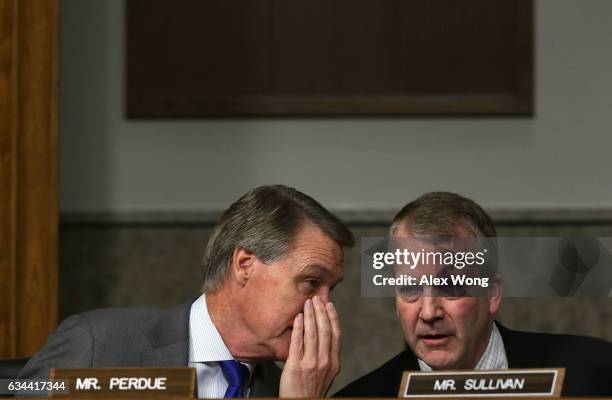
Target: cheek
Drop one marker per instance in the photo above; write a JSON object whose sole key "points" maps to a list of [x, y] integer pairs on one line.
{"points": [[282, 304], [464, 307], [274, 301], [407, 314], [263, 301], [467, 314]]}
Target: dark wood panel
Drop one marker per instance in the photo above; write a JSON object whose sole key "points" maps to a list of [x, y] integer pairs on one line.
{"points": [[8, 171], [37, 196], [28, 169], [319, 57]]}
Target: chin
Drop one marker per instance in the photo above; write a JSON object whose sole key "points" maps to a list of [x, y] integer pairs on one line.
{"points": [[282, 356], [440, 360], [281, 353], [280, 348]]}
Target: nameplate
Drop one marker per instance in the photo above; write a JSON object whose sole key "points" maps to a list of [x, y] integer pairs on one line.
{"points": [[491, 383], [126, 382]]}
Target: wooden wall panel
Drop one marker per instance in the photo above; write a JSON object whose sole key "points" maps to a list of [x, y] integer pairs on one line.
{"points": [[8, 169], [28, 202], [37, 173], [220, 58]]}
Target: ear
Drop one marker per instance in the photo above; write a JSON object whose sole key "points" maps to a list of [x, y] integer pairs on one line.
{"points": [[243, 263], [495, 294]]}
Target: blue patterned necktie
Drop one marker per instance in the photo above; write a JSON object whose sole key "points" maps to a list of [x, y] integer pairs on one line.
{"points": [[237, 375]]}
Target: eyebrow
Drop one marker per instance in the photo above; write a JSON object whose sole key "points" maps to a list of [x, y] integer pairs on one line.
{"points": [[317, 268]]}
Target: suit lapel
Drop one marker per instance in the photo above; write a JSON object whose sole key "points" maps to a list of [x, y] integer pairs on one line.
{"points": [[266, 380], [169, 338], [519, 352], [410, 361]]}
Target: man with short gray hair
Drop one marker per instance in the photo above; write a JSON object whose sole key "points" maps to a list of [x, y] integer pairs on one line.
{"points": [[446, 328], [269, 267]]}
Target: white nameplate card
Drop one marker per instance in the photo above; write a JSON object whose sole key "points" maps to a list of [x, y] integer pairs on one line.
{"points": [[493, 383]]}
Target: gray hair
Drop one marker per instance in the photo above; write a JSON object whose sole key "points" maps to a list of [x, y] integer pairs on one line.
{"points": [[265, 221], [440, 214]]}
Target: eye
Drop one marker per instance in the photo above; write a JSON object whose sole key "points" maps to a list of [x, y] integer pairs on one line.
{"points": [[309, 285], [450, 291], [314, 282], [410, 293]]}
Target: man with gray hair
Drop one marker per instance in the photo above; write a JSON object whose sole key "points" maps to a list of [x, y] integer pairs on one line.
{"points": [[447, 328], [269, 266]]}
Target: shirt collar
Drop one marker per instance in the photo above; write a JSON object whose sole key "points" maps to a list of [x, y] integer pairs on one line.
{"points": [[205, 341], [494, 356]]}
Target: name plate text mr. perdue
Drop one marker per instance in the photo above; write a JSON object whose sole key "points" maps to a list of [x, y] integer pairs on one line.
{"points": [[127, 382], [530, 382]]}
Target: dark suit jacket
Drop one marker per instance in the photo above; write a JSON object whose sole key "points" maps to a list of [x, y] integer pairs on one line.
{"points": [[130, 337], [587, 362]]}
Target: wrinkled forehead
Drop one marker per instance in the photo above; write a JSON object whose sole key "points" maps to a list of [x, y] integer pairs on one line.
{"points": [[430, 244], [457, 229], [313, 248]]}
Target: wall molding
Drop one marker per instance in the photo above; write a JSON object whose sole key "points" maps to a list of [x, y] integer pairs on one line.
{"points": [[353, 216]]}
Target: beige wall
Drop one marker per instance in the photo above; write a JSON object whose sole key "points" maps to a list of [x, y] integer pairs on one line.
{"points": [[559, 158]]}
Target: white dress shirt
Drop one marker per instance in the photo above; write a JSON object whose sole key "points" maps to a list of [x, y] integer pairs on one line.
{"points": [[206, 348], [494, 356]]}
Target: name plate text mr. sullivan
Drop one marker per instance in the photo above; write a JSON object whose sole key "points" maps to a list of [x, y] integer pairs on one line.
{"points": [[494, 383]]}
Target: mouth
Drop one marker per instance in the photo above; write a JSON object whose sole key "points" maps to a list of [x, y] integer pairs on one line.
{"points": [[435, 339]]}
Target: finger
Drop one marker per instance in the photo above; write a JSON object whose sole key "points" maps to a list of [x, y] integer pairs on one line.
{"points": [[323, 330], [336, 342], [310, 332], [296, 346]]}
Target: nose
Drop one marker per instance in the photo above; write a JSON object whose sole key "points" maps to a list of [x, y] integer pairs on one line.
{"points": [[431, 309], [324, 295]]}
